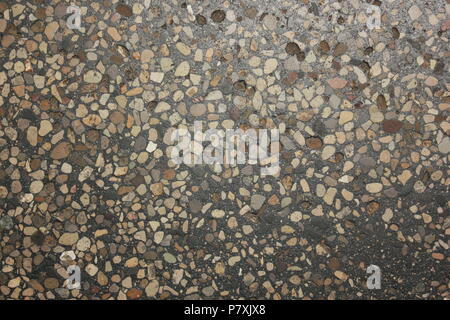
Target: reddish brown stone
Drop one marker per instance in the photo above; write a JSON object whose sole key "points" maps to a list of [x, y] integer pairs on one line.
{"points": [[291, 78], [445, 25], [134, 293], [392, 126]]}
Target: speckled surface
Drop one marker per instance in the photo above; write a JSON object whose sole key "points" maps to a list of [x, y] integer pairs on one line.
{"points": [[86, 178]]}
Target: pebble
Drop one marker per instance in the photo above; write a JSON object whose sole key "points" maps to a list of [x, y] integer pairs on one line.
{"points": [[337, 83], [124, 10], [92, 76], [392, 126], [444, 146], [374, 187], [257, 201], [61, 150], [218, 16], [68, 239], [270, 65], [345, 116], [414, 12], [328, 152], [182, 69]]}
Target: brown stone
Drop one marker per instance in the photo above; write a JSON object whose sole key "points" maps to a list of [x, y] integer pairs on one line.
{"points": [[157, 188], [314, 143], [381, 102], [7, 40], [201, 20], [324, 46], [124, 190], [92, 120], [102, 279], [116, 59], [35, 164], [124, 10], [334, 264], [395, 33], [40, 13], [437, 255], [251, 12], [300, 56], [51, 283], [287, 182], [340, 49], [373, 207], [36, 285], [218, 16], [117, 117], [273, 200], [169, 174], [61, 151], [292, 48], [3, 6], [235, 113]]}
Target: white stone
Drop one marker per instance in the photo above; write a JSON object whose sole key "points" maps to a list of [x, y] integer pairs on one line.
{"points": [[91, 269], [147, 55], [66, 167], [159, 235], [162, 106], [45, 127], [32, 133], [414, 12], [83, 244], [151, 147], [36, 186], [375, 70], [67, 256], [257, 201], [345, 117], [183, 48], [39, 81], [216, 213], [157, 76], [404, 177], [166, 64], [183, 69], [327, 152], [270, 65], [388, 214], [85, 173], [214, 95], [444, 146]]}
